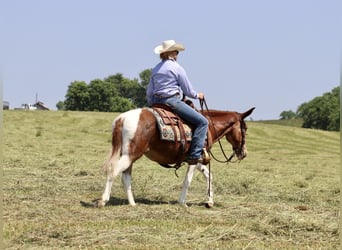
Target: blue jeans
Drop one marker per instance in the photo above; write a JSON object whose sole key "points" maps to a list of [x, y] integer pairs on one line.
{"points": [[190, 115]]}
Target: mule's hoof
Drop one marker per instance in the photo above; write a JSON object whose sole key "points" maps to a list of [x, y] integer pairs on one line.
{"points": [[99, 203], [209, 204], [183, 204]]}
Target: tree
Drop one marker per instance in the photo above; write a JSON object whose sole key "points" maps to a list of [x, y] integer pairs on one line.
{"points": [[77, 97], [287, 115], [322, 112], [113, 94], [141, 100], [125, 87], [121, 104], [60, 105], [101, 95], [145, 76], [132, 89]]}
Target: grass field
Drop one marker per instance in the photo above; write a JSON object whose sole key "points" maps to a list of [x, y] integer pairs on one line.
{"points": [[284, 195]]}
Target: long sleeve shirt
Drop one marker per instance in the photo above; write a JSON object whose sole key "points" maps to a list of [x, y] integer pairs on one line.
{"points": [[167, 79]]}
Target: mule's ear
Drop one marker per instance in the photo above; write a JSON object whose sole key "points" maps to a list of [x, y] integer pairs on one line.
{"points": [[247, 113]]}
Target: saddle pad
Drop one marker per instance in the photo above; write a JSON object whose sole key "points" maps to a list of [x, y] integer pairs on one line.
{"points": [[166, 131]]}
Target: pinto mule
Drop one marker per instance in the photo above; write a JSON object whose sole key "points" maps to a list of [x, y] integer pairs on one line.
{"points": [[135, 133]]}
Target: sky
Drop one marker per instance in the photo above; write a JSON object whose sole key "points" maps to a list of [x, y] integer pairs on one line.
{"points": [[272, 55]]}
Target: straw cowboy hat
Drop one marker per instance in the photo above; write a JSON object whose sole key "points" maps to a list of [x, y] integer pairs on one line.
{"points": [[168, 45]]}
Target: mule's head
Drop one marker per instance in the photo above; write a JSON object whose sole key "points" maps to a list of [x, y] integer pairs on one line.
{"points": [[237, 134]]}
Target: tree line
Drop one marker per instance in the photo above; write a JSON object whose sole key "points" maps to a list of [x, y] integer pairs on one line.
{"points": [[116, 93], [322, 112]]}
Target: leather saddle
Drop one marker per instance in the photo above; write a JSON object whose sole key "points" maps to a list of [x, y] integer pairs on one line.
{"points": [[169, 120], [181, 131]]}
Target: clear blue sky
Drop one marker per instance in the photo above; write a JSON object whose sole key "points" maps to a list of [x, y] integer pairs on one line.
{"points": [[273, 55]]}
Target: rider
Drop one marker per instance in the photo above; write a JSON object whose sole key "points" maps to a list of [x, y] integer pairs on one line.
{"points": [[167, 85]]}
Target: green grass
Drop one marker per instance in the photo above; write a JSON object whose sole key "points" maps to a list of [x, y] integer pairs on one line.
{"points": [[284, 195], [292, 122]]}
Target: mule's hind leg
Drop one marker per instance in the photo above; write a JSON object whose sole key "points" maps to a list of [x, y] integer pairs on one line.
{"points": [[186, 183], [204, 170], [123, 164], [106, 194], [126, 179]]}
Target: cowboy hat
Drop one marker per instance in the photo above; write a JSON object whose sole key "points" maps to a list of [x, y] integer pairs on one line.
{"points": [[168, 45]]}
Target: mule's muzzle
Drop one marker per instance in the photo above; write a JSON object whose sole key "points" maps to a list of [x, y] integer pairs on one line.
{"points": [[241, 153]]}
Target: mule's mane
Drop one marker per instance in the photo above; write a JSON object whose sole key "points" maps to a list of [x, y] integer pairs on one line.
{"points": [[214, 113], [221, 117]]}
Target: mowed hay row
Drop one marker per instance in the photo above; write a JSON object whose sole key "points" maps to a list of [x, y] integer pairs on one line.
{"points": [[284, 195]]}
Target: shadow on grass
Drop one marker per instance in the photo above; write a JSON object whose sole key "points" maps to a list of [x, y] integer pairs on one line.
{"points": [[113, 201]]}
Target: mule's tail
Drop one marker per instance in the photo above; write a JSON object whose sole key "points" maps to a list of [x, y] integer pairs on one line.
{"points": [[116, 151]]}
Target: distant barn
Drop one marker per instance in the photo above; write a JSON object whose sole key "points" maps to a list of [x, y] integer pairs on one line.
{"points": [[41, 106]]}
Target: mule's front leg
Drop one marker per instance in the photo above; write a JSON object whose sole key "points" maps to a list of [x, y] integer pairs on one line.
{"points": [[204, 170], [186, 183]]}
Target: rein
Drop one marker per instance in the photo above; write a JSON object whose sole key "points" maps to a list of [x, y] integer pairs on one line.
{"points": [[228, 159], [218, 138]]}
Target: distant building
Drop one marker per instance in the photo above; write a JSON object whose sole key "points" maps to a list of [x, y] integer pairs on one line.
{"points": [[37, 106], [5, 105], [41, 106], [26, 106]]}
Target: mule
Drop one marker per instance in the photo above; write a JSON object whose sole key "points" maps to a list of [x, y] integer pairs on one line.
{"points": [[135, 133]]}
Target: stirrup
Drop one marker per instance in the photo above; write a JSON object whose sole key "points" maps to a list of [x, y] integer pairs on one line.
{"points": [[205, 157]]}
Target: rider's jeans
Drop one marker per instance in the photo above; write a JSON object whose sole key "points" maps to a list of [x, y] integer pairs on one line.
{"points": [[193, 117]]}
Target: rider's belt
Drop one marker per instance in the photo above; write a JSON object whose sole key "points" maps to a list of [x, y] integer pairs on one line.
{"points": [[161, 96]]}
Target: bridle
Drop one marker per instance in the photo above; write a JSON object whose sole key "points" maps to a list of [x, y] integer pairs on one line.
{"points": [[243, 133]]}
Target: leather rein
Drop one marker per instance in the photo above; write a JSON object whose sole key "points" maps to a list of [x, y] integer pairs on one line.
{"points": [[227, 159]]}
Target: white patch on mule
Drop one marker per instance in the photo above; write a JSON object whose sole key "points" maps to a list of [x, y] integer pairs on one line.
{"points": [[129, 127]]}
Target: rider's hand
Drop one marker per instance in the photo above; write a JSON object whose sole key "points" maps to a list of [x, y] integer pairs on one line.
{"points": [[200, 95]]}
